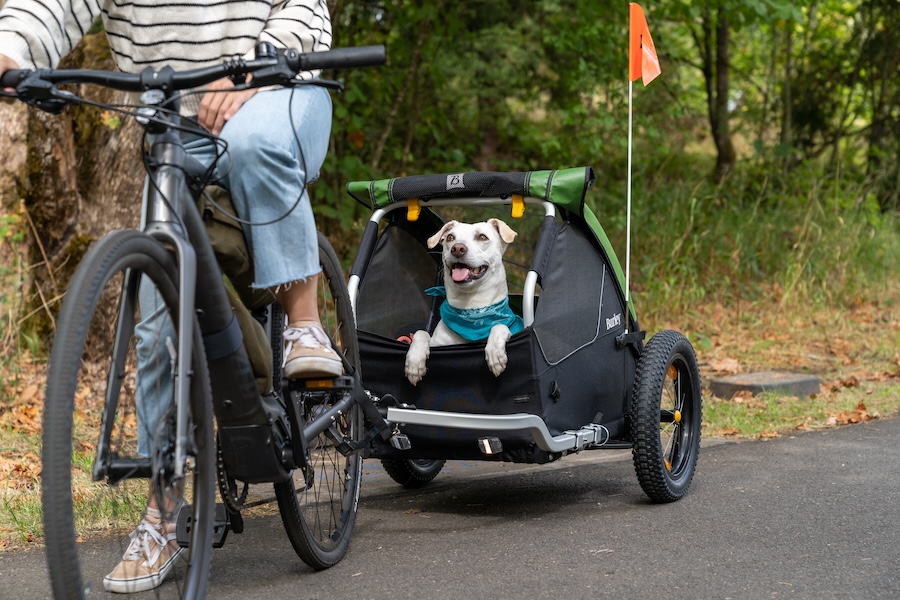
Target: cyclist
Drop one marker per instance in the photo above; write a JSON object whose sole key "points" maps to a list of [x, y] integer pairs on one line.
{"points": [[276, 140]]}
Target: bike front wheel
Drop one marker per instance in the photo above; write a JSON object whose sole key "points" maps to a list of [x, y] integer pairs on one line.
{"points": [[102, 458], [318, 504]]}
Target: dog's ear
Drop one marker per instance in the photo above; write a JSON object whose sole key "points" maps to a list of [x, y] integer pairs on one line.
{"points": [[506, 233], [439, 236]]}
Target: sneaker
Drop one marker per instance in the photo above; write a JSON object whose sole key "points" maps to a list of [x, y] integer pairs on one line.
{"points": [[148, 559], [308, 353]]}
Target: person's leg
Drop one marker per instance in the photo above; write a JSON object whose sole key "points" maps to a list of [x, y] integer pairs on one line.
{"points": [[154, 387], [153, 548], [269, 162]]}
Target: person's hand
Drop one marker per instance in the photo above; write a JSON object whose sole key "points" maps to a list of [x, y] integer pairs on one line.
{"points": [[6, 64], [217, 107]]}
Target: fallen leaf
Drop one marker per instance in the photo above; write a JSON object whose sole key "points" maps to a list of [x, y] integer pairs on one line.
{"points": [[847, 417], [742, 396], [851, 381], [28, 394], [730, 431], [725, 365], [26, 417], [847, 382]]}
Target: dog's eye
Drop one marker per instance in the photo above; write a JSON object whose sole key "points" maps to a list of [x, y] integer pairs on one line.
{"points": [[482, 237], [450, 237]]}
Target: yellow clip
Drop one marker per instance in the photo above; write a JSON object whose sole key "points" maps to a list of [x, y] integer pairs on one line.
{"points": [[518, 206], [413, 210]]}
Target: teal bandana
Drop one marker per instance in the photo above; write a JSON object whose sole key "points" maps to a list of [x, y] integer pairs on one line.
{"points": [[474, 324]]}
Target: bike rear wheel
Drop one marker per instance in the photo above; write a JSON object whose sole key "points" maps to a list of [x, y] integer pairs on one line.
{"points": [[95, 480], [318, 504]]}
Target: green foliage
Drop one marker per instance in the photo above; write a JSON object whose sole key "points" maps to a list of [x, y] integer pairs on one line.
{"points": [[802, 239]]}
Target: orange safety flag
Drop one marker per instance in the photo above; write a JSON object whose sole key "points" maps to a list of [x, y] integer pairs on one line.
{"points": [[642, 59]]}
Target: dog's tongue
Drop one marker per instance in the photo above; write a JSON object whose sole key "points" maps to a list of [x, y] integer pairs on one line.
{"points": [[460, 274]]}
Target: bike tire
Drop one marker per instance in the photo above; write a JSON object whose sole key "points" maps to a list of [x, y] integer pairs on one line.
{"points": [[318, 505], [82, 545], [666, 417]]}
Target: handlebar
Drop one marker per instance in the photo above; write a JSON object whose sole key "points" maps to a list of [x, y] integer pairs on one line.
{"points": [[343, 58], [271, 67]]}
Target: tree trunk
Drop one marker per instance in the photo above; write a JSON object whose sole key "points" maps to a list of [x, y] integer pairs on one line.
{"points": [[14, 229], [787, 134], [726, 155], [81, 177], [882, 57], [715, 64]]}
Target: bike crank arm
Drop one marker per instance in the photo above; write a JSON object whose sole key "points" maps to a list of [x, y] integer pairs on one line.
{"points": [[353, 393]]}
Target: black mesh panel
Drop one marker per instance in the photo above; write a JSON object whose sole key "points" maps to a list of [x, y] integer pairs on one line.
{"points": [[392, 300], [568, 315]]}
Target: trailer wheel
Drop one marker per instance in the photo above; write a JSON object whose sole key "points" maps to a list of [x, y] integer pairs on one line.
{"points": [[412, 472], [666, 416]]}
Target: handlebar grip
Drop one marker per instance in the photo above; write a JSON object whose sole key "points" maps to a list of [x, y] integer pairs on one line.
{"points": [[343, 58], [13, 77]]}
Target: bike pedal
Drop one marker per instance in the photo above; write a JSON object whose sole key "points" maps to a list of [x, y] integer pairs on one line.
{"points": [[185, 525]]}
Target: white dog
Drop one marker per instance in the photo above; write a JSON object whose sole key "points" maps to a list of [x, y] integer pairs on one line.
{"points": [[477, 305]]}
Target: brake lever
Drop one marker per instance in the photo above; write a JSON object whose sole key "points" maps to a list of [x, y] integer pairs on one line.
{"points": [[43, 95], [278, 74]]}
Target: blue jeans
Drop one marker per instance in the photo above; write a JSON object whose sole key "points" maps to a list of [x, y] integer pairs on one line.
{"points": [[266, 170]]}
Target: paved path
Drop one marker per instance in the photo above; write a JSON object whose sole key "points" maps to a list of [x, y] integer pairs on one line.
{"points": [[816, 515]]}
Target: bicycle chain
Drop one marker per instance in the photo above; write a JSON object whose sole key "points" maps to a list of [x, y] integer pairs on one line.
{"points": [[234, 503]]}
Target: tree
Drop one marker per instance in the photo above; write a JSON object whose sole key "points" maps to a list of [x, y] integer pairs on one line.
{"points": [[79, 178], [881, 60]]}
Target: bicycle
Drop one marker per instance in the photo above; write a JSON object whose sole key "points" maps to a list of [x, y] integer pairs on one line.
{"points": [[305, 437]]}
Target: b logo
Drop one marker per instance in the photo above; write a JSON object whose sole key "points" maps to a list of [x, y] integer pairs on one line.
{"points": [[455, 181]]}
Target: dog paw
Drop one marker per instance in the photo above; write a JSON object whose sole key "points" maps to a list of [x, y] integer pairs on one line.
{"points": [[497, 363], [416, 357], [415, 370], [495, 350]]}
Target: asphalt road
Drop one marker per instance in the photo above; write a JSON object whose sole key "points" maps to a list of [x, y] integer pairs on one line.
{"points": [[816, 515]]}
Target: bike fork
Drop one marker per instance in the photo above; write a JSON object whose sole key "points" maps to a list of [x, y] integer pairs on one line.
{"points": [[180, 354]]}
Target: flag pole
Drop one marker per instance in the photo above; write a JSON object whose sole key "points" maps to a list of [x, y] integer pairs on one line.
{"points": [[628, 202]]}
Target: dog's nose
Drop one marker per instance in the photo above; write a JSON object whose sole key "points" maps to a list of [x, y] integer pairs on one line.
{"points": [[458, 250]]}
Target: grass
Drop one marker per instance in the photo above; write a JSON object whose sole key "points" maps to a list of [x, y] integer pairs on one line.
{"points": [[770, 415]]}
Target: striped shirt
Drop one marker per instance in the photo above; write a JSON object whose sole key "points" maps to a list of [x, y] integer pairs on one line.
{"points": [[182, 34]]}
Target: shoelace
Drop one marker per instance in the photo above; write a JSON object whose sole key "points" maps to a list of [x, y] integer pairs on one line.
{"points": [[140, 549], [308, 337]]}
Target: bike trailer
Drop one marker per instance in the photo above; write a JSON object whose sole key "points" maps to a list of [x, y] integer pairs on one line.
{"points": [[569, 378]]}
